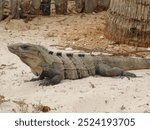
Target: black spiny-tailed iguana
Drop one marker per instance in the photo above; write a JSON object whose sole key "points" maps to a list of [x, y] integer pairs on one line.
{"points": [[53, 67]]}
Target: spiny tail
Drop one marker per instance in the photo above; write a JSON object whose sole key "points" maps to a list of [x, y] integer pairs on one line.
{"points": [[125, 63]]}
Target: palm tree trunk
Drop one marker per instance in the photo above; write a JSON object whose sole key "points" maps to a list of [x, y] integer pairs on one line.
{"points": [[129, 22], [90, 6], [1, 9], [61, 6]]}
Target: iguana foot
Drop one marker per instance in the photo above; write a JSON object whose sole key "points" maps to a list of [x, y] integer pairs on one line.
{"points": [[48, 82], [128, 74], [55, 80], [45, 83], [35, 79]]}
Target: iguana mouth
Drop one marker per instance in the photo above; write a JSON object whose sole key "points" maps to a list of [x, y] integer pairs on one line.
{"points": [[20, 49], [12, 49], [15, 50]]}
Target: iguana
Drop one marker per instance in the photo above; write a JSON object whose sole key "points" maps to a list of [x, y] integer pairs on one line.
{"points": [[52, 67]]}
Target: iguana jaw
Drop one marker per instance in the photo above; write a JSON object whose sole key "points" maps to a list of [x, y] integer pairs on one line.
{"points": [[30, 55]]}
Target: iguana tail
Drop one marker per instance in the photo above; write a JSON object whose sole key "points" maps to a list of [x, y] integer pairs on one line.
{"points": [[125, 63]]}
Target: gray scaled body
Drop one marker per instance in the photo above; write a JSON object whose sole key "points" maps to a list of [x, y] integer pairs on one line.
{"points": [[52, 67]]}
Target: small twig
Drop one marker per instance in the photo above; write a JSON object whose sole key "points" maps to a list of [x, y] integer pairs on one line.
{"points": [[92, 85]]}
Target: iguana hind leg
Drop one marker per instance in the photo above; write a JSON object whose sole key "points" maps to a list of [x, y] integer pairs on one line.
{"points": [[51, 77], [106, 70]]}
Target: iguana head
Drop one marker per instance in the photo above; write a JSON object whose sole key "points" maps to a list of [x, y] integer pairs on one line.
{"points": [[30, 54]]}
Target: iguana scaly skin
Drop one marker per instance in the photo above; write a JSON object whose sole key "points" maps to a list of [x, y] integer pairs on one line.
{"points": [[52, 67]]}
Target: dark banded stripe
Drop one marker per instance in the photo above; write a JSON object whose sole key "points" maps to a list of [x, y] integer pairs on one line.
{"points": [[81, 55], [69, 54], [51, 52], [59, 54]]}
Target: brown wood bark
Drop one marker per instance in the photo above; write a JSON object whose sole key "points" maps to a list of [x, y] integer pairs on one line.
{"points": [[5, 8], [129, 22], [1, 10], [80, 4], [15, 5], [90, 6], [61, 6]]}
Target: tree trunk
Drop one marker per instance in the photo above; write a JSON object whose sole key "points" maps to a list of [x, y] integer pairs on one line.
{"points": [[1, 9], [45, 7], [61, 6], [90, 6], [4, 8], [80, 4], [129, 22]]}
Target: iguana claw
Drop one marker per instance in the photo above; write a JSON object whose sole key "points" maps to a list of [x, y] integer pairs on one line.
{"points": [[128, 74], [45, 83]]}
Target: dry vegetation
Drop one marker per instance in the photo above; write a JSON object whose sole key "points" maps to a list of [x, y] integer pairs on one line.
{"points": [[24, 107]]}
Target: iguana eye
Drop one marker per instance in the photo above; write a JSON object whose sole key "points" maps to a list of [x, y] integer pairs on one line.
{"points": [[24, 47]]}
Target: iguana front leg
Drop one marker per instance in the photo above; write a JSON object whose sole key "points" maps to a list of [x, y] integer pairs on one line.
{"points": [[106, 70], [51, 77]]}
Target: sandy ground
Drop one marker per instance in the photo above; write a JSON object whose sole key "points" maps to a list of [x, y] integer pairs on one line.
{"points": [[92, 94]]}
